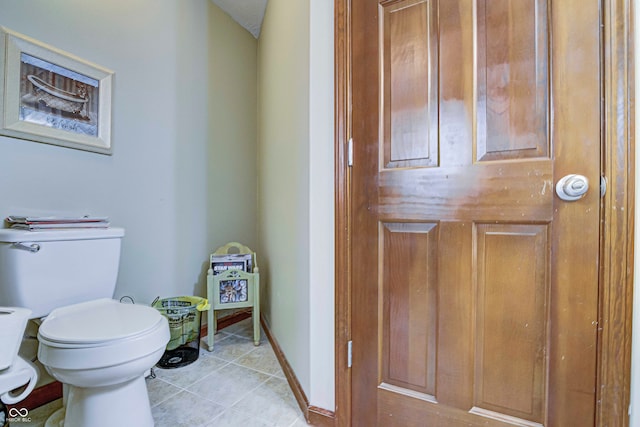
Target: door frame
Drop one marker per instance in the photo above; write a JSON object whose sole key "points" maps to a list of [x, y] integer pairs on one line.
{"points": [[617, 213]]}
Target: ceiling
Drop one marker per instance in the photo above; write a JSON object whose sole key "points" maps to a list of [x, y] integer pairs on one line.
{"points": [[248, 13]]}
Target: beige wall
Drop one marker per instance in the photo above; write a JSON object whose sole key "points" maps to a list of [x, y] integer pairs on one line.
{"points": [[232, 76], [295, 187], [321, 205], [183, 129], [283, 179]]}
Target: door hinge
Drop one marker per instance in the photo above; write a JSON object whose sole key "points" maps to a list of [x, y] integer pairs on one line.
{"points": [[349, 354], [350, 152]]}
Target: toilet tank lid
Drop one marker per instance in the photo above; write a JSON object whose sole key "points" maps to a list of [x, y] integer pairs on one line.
{"points": [[9, 235]]}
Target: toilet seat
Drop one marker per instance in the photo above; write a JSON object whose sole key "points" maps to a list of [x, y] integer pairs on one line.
{"points": [[97, 322], [99, 333]]}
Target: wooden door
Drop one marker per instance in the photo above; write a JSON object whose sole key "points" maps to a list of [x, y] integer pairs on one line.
{"points": [[474, 287]]}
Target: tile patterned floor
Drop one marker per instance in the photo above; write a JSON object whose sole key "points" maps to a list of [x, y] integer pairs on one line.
{"points": [[237, 384]]}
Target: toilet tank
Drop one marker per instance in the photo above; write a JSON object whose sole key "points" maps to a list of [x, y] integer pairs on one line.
{"points": [[43, 270]]}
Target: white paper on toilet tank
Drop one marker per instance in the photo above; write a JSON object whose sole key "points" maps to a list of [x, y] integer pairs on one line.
{"points": [[52, 222]]}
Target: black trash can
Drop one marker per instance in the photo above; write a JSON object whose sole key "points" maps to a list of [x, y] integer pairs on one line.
{"points": [[184, 316]]}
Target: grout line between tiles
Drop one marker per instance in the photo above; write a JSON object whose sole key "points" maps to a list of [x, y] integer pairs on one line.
{"points": [[180, 389], [244, 395], [257, 370]]}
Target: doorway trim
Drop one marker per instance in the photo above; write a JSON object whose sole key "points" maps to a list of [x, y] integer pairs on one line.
{"points": [[342, 96], [617, 213]]}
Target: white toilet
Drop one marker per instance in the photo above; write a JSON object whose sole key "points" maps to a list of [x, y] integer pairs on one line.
{"points": [[97, 347]]}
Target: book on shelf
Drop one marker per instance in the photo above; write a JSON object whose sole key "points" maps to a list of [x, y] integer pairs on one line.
{"points": [[220, 263]]}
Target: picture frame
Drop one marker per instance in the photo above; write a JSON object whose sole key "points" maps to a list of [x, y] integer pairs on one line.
{"points": [[51, 96], [233, 291]]}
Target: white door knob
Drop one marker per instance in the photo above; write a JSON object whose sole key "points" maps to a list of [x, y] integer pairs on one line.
{"points": [[572, 187]]}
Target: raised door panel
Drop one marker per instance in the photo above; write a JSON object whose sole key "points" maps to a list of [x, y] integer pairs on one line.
{"points": [[512, 79], [409, 307], [511, 277], [409, 115]]}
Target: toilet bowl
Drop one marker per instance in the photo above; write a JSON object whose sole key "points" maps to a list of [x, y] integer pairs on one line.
{"points": [[100, 351]]}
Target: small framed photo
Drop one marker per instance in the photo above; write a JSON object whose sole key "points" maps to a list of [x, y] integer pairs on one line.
{"points": [[234, 290], [54, 97]]}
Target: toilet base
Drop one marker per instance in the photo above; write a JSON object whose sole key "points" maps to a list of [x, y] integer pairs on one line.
{"points": [[120, 404], [56, 419]]}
